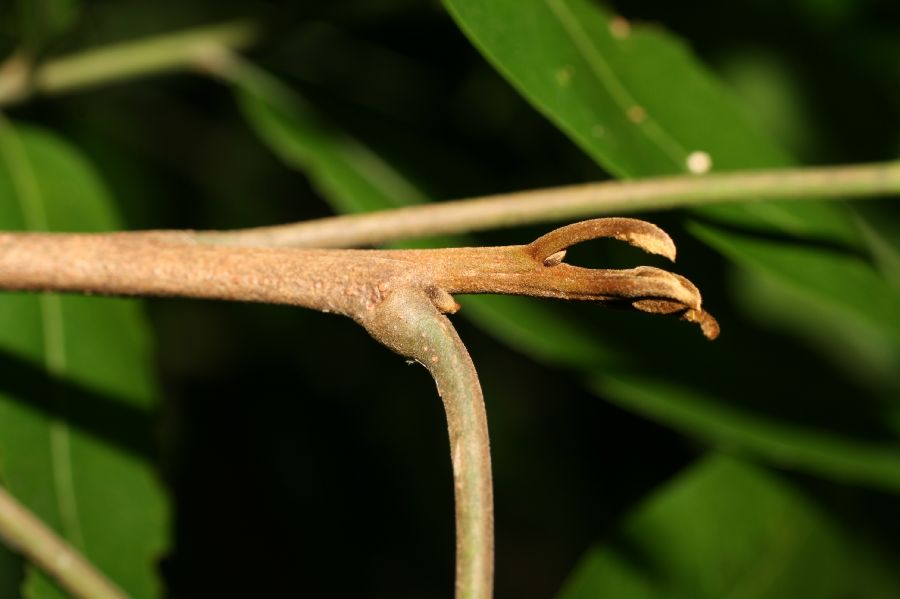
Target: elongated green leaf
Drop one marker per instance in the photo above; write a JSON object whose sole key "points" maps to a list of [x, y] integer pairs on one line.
{"points": [[727, 529], [849, 284], [782, 441], [346, 172], [798, 287], [77, 393], [881, 232], [632, 97]]}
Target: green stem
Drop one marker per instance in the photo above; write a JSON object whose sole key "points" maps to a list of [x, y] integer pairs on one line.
{"points": [[23, 531], [125, 60], [409, 323], [574, 202]]}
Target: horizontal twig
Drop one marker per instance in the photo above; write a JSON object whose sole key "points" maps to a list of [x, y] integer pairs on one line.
{"points": [[349, 282], [20, 79], [574, 202]]}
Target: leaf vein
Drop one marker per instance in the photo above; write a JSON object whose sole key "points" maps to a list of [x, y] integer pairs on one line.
{"points": [[34, 217], [617, 90]]}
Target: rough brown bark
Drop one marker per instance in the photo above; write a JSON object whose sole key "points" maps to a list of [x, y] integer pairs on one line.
{"points": [[349, 282]]}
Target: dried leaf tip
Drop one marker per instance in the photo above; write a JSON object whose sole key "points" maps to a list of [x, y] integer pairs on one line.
{"points": [[708, 324], [644, 288], [638, 233]]}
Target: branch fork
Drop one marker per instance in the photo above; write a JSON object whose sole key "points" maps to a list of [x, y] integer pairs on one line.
{"points": [[401, 297], [411, 322], [538, 269]]}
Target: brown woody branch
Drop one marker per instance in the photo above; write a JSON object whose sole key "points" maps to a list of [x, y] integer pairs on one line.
{"points": [[399, 296], [349, 282]]}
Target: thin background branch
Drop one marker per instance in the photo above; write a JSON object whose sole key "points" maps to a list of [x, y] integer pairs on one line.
{"points": [[25, 532], [574, 202]]}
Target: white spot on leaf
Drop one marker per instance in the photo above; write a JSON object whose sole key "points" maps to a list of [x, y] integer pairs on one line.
{"points": [[699, 162]]}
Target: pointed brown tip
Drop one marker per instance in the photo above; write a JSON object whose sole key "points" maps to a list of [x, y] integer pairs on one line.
{"points": [[652, 240], [638, 233], [708, 324], [443, 301]]}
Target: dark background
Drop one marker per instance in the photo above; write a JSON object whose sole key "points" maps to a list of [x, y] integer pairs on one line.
{"points": [[304, 456]]}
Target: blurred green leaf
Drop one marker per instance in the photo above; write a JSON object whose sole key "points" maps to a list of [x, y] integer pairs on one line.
{"points": [[851, 345], [540, 330], [881, 232], [345, 171], [773, 96], [726, 529], [798, 288], [41, 20], [713, 418], [77, 395]]}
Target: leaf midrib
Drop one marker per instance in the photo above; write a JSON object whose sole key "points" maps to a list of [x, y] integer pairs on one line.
{"points": [[31, 203], [616, 88]]}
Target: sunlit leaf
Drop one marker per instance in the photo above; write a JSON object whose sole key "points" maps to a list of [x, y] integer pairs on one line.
{"points": [[632, 97], [77, 394]]}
